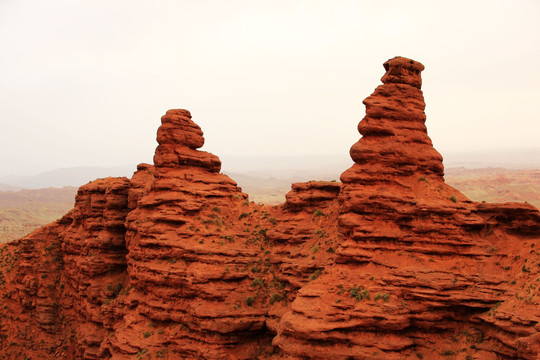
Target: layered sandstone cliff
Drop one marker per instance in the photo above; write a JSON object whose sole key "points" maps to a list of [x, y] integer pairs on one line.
{"points": [[420, 267], [176, 263]]}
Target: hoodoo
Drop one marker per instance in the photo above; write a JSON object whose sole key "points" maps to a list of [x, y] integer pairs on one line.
{"points": [[421, 271], [176, 263]]}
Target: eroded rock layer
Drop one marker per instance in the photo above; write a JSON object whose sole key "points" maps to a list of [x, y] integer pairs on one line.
{"points": [[421, 270], [190, 260], [176, 263], [63, 274]]}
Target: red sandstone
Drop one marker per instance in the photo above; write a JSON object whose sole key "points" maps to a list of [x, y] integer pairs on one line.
{"points": [[176, 263]]}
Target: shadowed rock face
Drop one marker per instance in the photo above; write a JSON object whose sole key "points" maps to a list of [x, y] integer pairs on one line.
{"points": [[175, 262]]}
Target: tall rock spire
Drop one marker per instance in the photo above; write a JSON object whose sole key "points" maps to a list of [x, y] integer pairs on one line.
{"points": [[394, 136], [411, 247], [177, 263], [179, 138]]}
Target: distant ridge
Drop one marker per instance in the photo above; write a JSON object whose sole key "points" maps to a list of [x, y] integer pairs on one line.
{"points": [[5, 187], [502, 158], [296, 167], [73, 176]]}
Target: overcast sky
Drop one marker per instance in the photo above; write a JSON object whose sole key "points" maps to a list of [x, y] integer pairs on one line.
{"points": [[84, 83]]}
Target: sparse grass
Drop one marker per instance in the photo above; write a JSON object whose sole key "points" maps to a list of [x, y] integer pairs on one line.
{"points": [[359, 293], [383, 296], [276, 297], [160, 354], [315, 275], [141, 353], [243, 215], [257, 282]]}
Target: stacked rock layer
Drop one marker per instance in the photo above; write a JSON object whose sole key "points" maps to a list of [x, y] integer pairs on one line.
{"points": [[420, 267], [176, 263]]}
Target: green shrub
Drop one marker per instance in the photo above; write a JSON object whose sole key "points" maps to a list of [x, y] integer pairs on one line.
{"points": [[359, 293], [257, 282], [275, 297], [318, 213], [315, 275]]}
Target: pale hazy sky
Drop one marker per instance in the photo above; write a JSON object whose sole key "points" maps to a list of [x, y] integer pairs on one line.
{"points": [[84, 83]]}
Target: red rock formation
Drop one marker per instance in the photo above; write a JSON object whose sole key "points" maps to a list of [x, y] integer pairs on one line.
{"points": [[420, 270], [63, 275], [176, 262], [304, 239], [191, 262]]}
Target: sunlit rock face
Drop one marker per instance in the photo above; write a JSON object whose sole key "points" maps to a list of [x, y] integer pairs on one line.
{"points": [[420, 270], [176, 263]]}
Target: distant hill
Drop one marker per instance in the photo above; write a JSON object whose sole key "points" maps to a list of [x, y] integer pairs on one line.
{"points": [[293, 167], [74, 176], [496, 184], [515, 159], [21, 212], [488, 184], [4, 187]]}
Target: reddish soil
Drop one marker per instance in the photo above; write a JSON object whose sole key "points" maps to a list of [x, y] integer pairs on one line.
{"points": [[22, 212], [176, 263], [497, 184]]}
